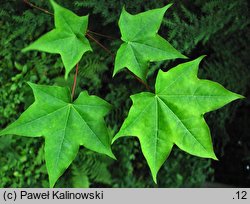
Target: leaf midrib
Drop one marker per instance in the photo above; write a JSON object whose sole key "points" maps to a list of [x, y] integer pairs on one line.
{"points": [[135, 37], [63, 136], [191, 95], [174, 81], [72, 32], [138, 116], [134, 56], [146, 45], [157, 128], [93, 133], [180, 122], [54, 97], [31, 121]]}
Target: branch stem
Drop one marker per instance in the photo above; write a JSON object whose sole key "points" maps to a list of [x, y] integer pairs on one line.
{"points": [[74, 84], [97, 42], [47, 12], [141, 81], [102, 35], [36, 7]]}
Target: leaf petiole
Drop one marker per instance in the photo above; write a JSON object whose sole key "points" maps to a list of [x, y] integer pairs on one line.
{"points": [[74, 84]]}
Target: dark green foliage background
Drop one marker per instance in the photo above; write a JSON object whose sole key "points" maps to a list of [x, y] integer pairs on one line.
{"points": [[217, 28]]}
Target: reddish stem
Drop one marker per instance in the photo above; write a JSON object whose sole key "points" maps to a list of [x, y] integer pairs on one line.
{"points": [[107, 50], [74, 84], [47, 12], [141, 81], [102, 35], [36, 7], [97, 42]]}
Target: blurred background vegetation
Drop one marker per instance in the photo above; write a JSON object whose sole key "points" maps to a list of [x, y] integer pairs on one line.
{"points": [[217, 28]]}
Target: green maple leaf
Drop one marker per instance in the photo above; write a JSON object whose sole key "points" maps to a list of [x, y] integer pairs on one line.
{"points": [[64, 125], [142, 44], [174, 115], [67, 39]]}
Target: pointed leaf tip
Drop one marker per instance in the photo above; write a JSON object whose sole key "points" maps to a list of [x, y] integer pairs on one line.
{"points": [[241, 96], [124, 8], [52, 182], [168, 6], [114, 73], [154, 175], [115, 138], [202, 57], [171, 4], [24, 50], [215, 158], [53, 3], [111, 155], [51, 185], [199, 59], [31, 84]]}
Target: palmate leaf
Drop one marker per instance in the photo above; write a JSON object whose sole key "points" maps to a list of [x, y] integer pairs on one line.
{"points": [[142, 44], [67, 39], [64, 125], [174, 115]]}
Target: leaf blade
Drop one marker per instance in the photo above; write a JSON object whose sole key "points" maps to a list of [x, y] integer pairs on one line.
{"points": [[173, 116], [141, 43], [67, 39], [64, 125]]}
